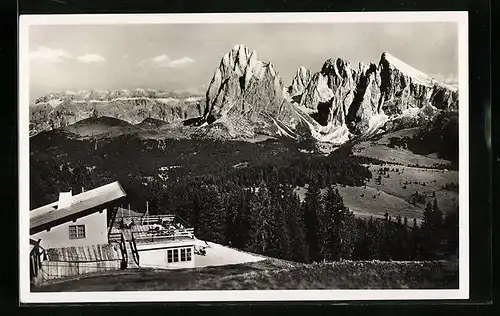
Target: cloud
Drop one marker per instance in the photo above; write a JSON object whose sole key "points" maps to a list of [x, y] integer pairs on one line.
{"points": [[181, 62], [48, 55], [165, 61], [91, 58], [160, 59]]}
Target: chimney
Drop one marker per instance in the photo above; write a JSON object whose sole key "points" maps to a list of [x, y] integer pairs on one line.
{"points": [[65, 199]]}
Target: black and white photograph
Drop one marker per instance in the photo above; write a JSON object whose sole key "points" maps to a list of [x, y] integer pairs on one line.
{"points": [[245, 157]]}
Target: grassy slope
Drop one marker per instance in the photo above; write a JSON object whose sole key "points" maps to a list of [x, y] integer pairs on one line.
{"points": [[367, 201], [361, 202], [434, 180], [272, 274], [393, 198], [391, 195]]}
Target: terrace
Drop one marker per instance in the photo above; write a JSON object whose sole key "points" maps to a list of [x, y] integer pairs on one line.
{"points": [[154, 229]]}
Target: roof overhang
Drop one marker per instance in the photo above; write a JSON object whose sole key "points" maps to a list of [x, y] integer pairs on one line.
{"points": [[105, 197], [39, 226]]}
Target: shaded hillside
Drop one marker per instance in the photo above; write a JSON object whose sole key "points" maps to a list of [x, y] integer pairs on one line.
{"points": [[93, 126], [432, 145], [439, 136]]}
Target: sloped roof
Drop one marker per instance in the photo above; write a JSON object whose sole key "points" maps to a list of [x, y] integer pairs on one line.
{"points": [[83, 204]]}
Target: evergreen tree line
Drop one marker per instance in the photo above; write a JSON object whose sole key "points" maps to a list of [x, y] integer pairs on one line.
{"points": [[272, 221]]}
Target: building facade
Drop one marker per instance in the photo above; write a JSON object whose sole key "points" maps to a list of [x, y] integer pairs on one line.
{"points": [[70, 237], [167, 255], [84, 231]]}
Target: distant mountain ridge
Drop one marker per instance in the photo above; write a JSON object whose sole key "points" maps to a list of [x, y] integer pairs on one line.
{"points": [[246, 96], [247, 99], [61, 109]]}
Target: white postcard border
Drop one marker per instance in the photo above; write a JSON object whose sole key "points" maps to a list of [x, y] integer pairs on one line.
{"points": [[25, 21]]}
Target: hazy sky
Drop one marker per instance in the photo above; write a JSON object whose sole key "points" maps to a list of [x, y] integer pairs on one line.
{"points": [[184, 56]]}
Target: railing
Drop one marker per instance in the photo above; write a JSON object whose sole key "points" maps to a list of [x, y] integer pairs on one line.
{"points": [[142, 220], [133, 248], [163, 235], [152, 219], [120, 239]]}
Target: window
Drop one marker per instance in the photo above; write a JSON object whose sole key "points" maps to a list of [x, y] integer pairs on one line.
{"points": [[76, 231], [173, 255], [170, 255]]}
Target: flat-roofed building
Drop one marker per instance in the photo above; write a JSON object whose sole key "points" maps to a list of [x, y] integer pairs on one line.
{"points": [[162, 241]]}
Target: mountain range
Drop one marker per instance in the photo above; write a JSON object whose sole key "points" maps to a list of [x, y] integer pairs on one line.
{"points": [[60, 109], [247, 98]]}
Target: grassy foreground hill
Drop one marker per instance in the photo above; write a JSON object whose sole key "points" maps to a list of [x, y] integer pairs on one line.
{"points": [[273, 274]]}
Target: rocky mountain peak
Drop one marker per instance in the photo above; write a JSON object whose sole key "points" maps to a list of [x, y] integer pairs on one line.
{"points": [[300, 81], [337, 66], [394, 64], [404, 87], [366, 96], [243, 84], [330, 92]]}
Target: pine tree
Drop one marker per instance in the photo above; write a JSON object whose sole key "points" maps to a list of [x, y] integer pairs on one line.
{"points": [[348, 234], [427, 217], [329, 229], [211, 215], [260, 220], [311, 207], [337, 228], [298, 243], [280, 242], [431, 230], [361, 247], [450, 232], [438, 216], [399, 220]]}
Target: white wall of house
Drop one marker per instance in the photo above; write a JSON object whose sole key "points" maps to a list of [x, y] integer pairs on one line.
{"points": [[96, 232], [157, 255]]}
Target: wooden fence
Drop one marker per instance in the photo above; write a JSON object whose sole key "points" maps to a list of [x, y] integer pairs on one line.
{"points": [[51, 270], [76, 261]]}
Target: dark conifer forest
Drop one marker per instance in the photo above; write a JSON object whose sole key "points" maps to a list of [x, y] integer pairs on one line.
{"points": [[242, 195]]}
